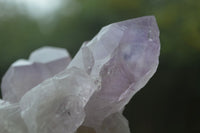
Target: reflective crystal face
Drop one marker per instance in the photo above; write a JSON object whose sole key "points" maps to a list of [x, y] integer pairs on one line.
{"points": [[89, 94]]}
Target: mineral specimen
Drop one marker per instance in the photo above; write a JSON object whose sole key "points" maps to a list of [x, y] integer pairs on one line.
{"points": [[89, 95], [26, 74]]}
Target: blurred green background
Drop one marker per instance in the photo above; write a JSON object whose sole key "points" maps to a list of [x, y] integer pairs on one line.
{"points": [[170, 101]]}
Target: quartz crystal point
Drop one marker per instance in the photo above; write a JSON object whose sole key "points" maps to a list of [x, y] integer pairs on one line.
{"points": [[57, 104], [26, 74], [10, 119], [121, 58]]}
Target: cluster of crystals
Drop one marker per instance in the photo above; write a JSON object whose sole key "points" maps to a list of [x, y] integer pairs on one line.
{"points": [[50, 93]]}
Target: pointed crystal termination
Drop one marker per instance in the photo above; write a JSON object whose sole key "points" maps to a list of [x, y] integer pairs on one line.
{"points": [[26, 74], [10, 119], [57, 104], [122, 57]]}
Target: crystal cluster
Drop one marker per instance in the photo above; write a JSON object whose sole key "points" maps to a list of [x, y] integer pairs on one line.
{"points": [[50, 93]]}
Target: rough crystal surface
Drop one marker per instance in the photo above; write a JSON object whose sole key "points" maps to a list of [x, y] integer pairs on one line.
{"points": [[57, 104], [89, 96], [26, 74]]}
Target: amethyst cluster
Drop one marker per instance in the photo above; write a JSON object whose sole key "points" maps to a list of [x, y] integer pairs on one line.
{"points": [[50, 93]]}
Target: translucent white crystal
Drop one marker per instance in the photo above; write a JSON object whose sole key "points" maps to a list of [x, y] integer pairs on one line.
{"points": [[10, 119], [26, 74], [57, 104]]}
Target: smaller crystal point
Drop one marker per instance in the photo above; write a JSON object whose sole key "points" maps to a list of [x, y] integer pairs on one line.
{"points": [[23, 75]]}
